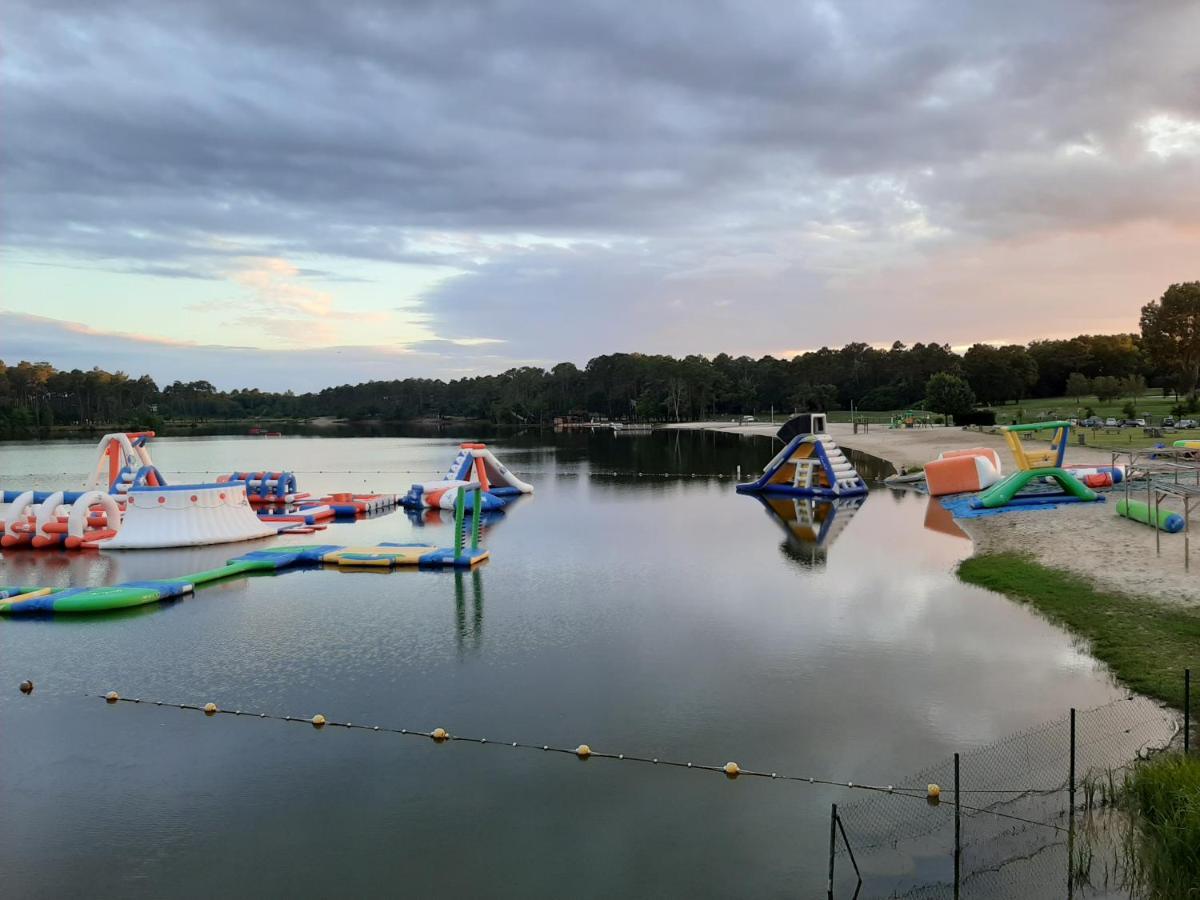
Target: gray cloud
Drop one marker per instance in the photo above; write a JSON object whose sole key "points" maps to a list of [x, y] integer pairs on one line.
{"points": [[788, 142]]}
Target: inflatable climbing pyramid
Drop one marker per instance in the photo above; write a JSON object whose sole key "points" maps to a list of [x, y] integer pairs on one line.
{"points": [[811, 464]]}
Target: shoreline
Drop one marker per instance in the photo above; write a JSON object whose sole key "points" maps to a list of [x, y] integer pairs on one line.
{"points": [[902, 447]]}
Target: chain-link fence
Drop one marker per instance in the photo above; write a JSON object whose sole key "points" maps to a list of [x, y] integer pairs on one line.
{"points": [[1002, 820]]}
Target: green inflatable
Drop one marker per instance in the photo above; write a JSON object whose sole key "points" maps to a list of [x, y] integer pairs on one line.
{"points": [[32, 601], [1166, 520], [1005, 492]]}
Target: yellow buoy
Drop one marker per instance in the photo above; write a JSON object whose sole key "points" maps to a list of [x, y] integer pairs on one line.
{"points": [[318, 720], [210, 709], [112, 697], [732, 769], [439, 734], [933, 792], [26, 686], [583, 751]]}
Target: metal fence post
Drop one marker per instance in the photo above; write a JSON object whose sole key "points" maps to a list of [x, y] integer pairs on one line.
{"points": [[957, 828], [832, 840], [1071, 814], [1071, 774]]}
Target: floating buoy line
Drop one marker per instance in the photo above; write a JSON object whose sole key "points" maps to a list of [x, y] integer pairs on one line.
{"points": [[931, 794]]}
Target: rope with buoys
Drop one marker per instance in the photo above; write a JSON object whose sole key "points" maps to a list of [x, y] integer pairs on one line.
{"points": [[932, 794]]}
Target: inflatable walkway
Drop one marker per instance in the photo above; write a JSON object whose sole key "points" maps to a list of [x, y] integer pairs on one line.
{"points": [[24, 601], [474, 463], [810, 465]]}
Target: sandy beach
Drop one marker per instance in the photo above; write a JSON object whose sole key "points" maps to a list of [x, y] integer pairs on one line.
{"points": [[1089, 539]]}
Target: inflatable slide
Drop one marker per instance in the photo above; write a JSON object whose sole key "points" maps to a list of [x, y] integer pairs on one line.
{"points": [[474, 463], [811, 464]]}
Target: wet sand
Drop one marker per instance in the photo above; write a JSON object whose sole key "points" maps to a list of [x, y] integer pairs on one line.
{"points": [[1089, 539]]}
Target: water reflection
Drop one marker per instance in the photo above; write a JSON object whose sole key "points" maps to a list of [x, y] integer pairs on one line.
{"points": [[941, 520], [470, 634], [425, 517], [811, 524]]}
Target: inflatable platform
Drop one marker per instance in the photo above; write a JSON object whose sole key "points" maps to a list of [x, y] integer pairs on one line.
{"points": [[811, 464], [474, 463], [187, 515], [22, 601]]}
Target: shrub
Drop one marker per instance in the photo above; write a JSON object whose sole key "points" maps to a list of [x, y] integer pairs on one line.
{"points": [[976, 417]]}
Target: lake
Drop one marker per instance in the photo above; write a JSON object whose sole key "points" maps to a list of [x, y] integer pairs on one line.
{"points": [[658, 616]]}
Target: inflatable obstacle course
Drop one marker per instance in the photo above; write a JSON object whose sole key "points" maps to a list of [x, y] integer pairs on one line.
{"points": [[811, 464], [279, 489], [18, 601], [1034, 468], [474, 464], [267, 487]]}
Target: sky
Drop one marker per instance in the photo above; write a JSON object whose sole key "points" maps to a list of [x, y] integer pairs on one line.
{"points": [[289, 194]]}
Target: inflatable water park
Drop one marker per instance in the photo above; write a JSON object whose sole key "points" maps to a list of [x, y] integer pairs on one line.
{"points": [[474, 464], [127, 504], [1042, 477], [34, 600], [811, 464]]}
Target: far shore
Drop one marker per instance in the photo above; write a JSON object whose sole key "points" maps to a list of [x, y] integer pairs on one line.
{"points": [[903, 447], [1088, 539]]}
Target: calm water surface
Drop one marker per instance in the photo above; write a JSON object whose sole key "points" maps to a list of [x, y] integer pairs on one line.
{"points": [[667, 618]]}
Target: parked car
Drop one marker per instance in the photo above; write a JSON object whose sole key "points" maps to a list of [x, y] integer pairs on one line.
{"points": [[1110, 422], [1092, 422], [1186, 423], [1141, 423], [747, 418], [1168, 421]]}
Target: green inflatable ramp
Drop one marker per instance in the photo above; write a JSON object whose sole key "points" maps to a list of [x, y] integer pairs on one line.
{"points": [[1005, 492]]}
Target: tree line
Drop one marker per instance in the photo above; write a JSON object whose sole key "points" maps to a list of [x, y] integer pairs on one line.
{"points": [[1166, 354]]}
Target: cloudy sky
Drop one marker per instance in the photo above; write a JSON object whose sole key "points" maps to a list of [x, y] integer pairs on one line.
{"points": [[292, 194]]}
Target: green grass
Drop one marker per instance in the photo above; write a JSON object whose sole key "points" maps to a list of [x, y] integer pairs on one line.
{"points": [[1152, 403], [1146, 644], [1164, 795], [1118, 438]]}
